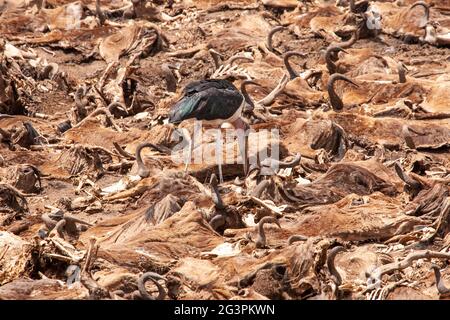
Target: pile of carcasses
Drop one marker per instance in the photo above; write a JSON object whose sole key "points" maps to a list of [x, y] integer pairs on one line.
{"points": [[349, 196]]}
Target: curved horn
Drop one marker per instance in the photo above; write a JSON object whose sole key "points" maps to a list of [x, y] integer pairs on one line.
{"points": [[335, 100], [263, 185], [171, 81], [382, 59], [359, 7], [286, 57], [31, 130], [99, 12], [59, 227], [406, 178], [161, 39], [401, 68], [276, 164], [270, 36], [50, 71], [407, 136], [247, 98], [317, 73], [261, 238], [330, 264], [290, 164], [37, 172], [217, 222], [143, 171], [349, 42], [296, 238], [235, 58], [154, 277], [216, 57], [215, 194], [425, 5], [352, 6], [117, 106], [442, 289], [80, 97], [331, 54]]}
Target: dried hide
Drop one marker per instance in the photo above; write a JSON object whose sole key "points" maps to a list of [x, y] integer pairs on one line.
{"points": [[339, 181], [157, 247], [132, 37], [44, 289], [15, 257]]}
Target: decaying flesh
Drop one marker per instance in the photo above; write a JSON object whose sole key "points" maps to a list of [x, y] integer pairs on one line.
{"points": [[346, 187]]}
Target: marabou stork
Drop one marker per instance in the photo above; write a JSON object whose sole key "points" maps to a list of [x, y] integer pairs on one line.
{"points": [[214, 102]]}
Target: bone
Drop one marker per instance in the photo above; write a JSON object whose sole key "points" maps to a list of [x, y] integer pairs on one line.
{"points": [[375, 276], [63, 64], [290, 164], [275, 92], [96, 292], [97, 112], [91, 255], [187, 53]]}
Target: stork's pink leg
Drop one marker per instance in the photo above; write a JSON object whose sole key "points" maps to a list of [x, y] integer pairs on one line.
{"points": [[240, 124]]}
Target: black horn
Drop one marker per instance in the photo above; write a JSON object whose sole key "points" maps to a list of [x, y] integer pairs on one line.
{"points": [[286, 57], [337, 279], [154, 277], [335, 100], [270, 36], [331, 56]]}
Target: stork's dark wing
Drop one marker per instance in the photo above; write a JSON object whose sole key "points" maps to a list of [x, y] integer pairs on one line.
{"points": [[209, 104], [202, 85]]}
